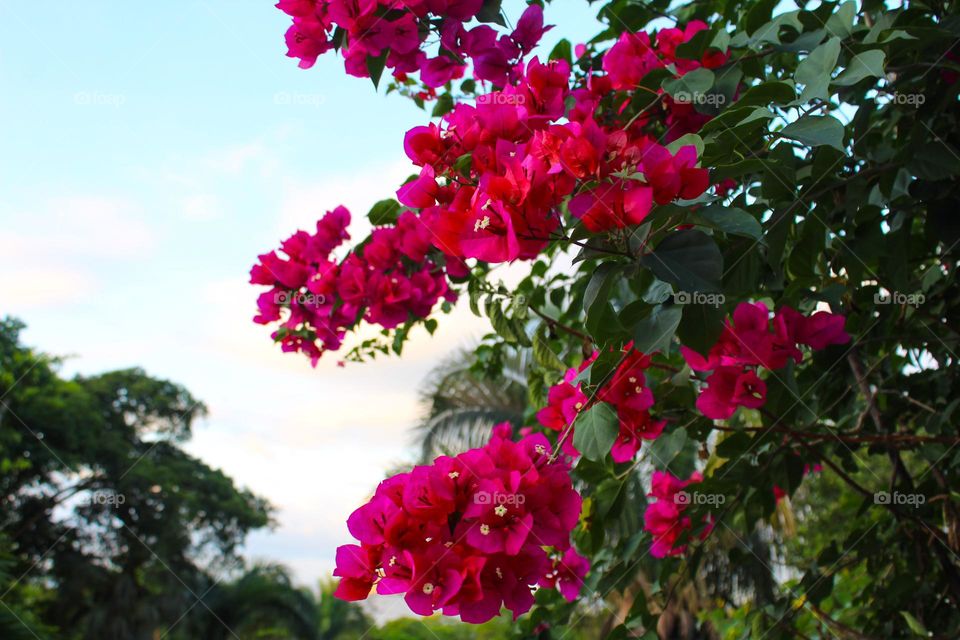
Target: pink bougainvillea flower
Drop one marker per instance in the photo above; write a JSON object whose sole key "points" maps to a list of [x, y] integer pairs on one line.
{"points": [[613, 205], [440, 70], [665, 518], [469, 534], [674, 176], [529, 28], [630, 60], [420, 192], [729, 388], [354, 568], [822, 329], [392, 279], [567, 574], [752, 342]]}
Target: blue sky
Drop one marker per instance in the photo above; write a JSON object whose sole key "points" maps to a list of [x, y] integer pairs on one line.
{"points": [[151, 151]]}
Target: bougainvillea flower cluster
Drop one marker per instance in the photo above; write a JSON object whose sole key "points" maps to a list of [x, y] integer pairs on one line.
{"points": [[626, 392], [469, 534], [315, 299], [494, 175], [664, 518], [394, 35], [753, 341]]}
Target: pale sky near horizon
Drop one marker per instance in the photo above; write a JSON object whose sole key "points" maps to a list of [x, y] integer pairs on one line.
{"points": [[151, 151]]}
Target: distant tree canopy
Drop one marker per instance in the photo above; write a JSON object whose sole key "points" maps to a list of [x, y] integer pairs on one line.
{"points": [[115, 530]]}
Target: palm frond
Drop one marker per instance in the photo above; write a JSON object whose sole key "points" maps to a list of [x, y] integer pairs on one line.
{"points": [[461, 406]]}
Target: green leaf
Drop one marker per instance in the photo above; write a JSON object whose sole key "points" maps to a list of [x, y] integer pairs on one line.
{"points": [[375, 66], [840, 24], [384, 212], [443, 106], [543, 354], [501, 325], [734, 445], [599, 285], [689, 260], [770, 32], [685, 140], [729, 220], [868, 64], [737, 169], [608, 497], [596, 430], [562, 51], [934, 161], [816, 131], [689, 87], [763, 94], [665, 448], [655, 331], [915, 625], [491, 12], [736, 116], [758, 14], [701, 326], [657, 293], [816, 70]]}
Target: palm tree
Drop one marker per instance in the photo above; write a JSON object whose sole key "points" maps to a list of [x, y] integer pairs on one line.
{"points": [[262, 603], [462, 405], [338, 619]]}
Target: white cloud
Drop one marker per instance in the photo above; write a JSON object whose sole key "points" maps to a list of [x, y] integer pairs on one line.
{"points": [[81, 226], [236, 158], [48, 246], [304, 203], [29, 288], [201, 207]]}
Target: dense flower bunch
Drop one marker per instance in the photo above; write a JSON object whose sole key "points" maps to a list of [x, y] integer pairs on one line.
{"points": [[396, 33], [494, 174], [316, 299], [626, 392], [634, 56], [752, 341], [664, 519], [468, 534]]}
